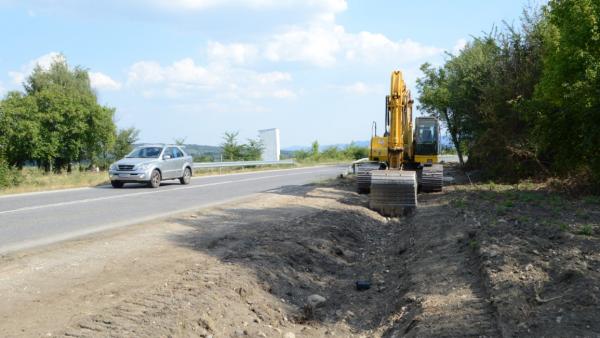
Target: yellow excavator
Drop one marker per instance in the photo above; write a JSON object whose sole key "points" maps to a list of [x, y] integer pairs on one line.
{"points": [[404, 160]]}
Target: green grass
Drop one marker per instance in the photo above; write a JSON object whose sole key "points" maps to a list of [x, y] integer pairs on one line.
{"points": [[563, 226], [586, 230], [592, 199], [458, 203], [473, 244]]}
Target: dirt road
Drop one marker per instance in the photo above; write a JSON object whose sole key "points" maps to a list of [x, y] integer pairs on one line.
{"points": [[473, 261]]}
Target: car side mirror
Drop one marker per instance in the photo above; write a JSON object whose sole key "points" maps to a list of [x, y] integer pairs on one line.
{"points": [[166, 157]]}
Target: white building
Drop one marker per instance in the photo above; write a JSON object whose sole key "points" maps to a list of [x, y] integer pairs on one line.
{"points": [[270, 141]]}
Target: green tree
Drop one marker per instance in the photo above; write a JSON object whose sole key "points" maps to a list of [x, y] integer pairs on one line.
{"points": [[355, 152], [231, 149], [301, 154], [73, 126], [20, 129], [252, 151], [568, 95], [124, 142], [483, 94], [100, 137], [315, 150]]}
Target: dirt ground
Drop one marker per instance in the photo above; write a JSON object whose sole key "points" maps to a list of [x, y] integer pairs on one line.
{"points": [[475, 260]]}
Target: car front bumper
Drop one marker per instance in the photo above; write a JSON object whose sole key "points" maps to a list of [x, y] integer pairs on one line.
{"points": [[129, 176]]}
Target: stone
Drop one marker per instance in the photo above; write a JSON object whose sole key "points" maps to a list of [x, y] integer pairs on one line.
{"points": [[289, 335], [315, 300]]}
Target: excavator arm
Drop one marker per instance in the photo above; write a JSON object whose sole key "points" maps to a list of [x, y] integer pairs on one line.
{"points": [[399, 106]]}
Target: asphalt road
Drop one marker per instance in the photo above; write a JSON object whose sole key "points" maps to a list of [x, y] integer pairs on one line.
{"points": [[29, 220]]}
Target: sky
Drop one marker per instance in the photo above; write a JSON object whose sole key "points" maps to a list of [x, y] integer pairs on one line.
{"points": [[193, 69]]}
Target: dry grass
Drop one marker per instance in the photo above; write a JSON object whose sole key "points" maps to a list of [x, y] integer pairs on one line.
{"points": [[36, 180]]}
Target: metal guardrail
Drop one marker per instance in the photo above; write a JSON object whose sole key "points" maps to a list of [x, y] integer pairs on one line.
{"points": [[205, 165]]}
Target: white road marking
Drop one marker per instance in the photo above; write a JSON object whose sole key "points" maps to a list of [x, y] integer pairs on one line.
{"points": [[60, 204]]}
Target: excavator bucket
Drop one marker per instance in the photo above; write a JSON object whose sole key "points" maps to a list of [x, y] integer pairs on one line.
{"points": [[363, 176], [393, 192], [432, 178]]}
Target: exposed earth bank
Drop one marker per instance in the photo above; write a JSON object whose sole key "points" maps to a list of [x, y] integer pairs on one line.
{"points": [[475, 260]]}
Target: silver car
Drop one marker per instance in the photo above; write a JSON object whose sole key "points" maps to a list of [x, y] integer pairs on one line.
{"points": [[152, 164]]}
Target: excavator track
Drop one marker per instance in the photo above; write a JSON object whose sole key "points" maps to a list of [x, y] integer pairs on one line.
{"points": [[432, 178], [393, 192], [363, 177]]}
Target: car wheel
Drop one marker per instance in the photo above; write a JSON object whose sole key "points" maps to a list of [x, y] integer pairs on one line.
{"points": [[154, 179], [116, 184], [187, 176]]}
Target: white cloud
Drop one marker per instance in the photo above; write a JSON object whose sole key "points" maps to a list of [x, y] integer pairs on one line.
{"points": [[358, 88], [315, 44], [102, 81], [237, 53], [2, 89], [44, 61], [324, 44], [460, 45], [185, 78], [371, 48]]}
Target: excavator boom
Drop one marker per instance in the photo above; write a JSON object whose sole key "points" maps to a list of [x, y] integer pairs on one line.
{"points": [[394, 191]]}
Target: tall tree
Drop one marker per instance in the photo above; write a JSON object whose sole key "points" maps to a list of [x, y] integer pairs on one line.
{"points": [[20, 129], [73, 126], [568, 95]]}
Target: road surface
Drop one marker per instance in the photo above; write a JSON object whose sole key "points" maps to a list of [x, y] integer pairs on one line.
{"points": [[33, 219]]}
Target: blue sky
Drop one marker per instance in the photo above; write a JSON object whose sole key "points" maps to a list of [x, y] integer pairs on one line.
{"points": [[316, 69]]}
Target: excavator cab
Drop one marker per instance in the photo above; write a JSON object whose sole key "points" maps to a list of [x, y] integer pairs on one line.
{"points": [[427, 141]]}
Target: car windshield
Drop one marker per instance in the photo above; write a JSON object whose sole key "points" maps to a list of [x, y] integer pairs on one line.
{"points": [[145, 152]]}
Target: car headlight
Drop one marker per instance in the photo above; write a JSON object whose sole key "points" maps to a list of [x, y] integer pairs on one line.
{"points": [[113, 167], [143, 166]]}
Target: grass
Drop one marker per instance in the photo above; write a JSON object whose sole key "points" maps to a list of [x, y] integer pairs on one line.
{"points": [[586, 230], [458, 203], [563, 226], [36, 180], [473, 244], [591, 199]]}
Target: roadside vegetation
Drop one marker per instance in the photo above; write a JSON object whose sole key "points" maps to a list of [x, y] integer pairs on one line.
{"points": [[330, 154], [54, 125], [523, 102]]}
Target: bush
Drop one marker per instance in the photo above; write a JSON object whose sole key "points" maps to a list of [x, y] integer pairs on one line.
{"points": [[9, 177]]}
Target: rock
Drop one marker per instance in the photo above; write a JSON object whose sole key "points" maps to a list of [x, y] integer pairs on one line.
{"points": [[289, 335], [558, 319], [401, 250], [315, 300]]}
